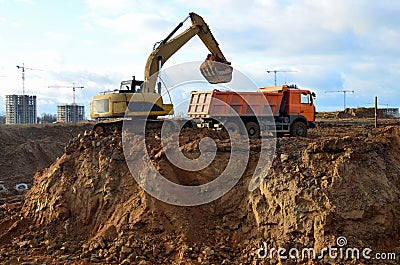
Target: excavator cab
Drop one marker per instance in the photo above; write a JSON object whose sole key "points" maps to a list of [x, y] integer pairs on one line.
{"points": [[130, 86], [215, 71]]}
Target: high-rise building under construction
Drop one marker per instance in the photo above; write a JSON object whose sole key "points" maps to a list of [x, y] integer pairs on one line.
{"points": [[70, 113], [21, 109]]}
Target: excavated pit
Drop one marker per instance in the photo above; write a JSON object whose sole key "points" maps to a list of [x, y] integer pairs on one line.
{"points": [[27, 148], [86, 207]]}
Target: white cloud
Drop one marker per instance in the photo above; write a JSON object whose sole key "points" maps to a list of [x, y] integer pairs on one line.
{"points": [[24, 1], [58, 36], [9, 23], [133, 22], [110, 7], [43, 60]]}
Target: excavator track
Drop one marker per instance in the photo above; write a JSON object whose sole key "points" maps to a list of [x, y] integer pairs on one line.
{"points": [[111, 127], [108, 127]]}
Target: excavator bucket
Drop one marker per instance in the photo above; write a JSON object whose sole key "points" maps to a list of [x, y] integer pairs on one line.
{"points": [[216, 72]]}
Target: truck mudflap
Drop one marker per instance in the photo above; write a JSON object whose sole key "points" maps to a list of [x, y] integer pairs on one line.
{"points": [[311, 125]]}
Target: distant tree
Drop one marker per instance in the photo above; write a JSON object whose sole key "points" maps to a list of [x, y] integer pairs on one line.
{"points": [[47, 118], [2, 116]]}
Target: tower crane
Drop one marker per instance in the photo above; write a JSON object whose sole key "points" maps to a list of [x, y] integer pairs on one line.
{"points": [[24, 107], [23, 75], [73, 90], [344, 95], [74, 117], [278, 71]]}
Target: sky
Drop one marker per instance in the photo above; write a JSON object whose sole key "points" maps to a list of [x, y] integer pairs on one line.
{"points": [[323, 45]]}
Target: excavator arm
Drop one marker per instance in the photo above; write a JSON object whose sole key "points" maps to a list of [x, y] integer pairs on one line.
{"points": [[145, 102], [216, 69]]}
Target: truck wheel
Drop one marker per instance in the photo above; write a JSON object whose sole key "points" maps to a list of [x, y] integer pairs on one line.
{"points": [[298, 128], [189, 124], [253, 130]]}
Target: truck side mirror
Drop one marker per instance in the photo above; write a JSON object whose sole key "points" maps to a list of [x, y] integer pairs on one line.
{"points": [[313, 95]]}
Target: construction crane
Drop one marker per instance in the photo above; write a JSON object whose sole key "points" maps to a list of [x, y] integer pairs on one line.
{"points": [[24, 107], [344, 95], [23, 75], [278, 71], [381, 104], [73, 90], [74, 106]]}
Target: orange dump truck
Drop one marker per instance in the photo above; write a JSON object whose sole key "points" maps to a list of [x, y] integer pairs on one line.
{"points": [[291, 110]]}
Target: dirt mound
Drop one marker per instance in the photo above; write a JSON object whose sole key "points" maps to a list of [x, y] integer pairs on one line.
{"points": [[361, 113], [27, 148], [86, 207]]}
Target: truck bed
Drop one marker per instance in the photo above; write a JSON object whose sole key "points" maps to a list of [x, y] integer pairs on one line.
{"points": [[221, 103]]}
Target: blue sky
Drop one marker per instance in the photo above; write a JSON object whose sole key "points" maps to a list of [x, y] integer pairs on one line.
{"points": [[331, 45]]}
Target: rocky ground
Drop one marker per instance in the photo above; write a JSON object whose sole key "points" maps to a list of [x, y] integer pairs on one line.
{"points": [[342, 180]]}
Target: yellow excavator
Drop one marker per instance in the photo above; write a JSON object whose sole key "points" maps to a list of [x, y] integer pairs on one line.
{"points": [[142, 99]]}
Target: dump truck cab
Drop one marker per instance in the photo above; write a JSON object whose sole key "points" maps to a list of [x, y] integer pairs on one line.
{"points": [[292, 101]]}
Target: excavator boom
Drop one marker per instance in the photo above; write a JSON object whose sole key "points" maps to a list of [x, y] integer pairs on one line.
{"points": [[132, 101]]}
